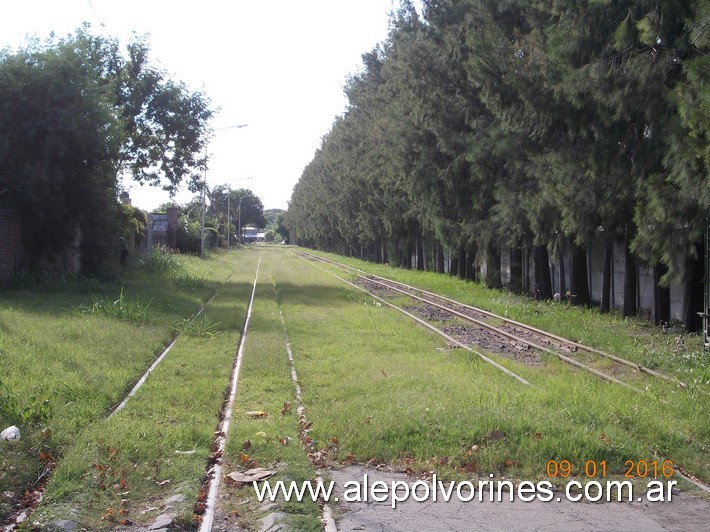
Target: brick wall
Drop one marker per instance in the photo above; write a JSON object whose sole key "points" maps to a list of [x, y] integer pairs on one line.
{"points": [[10, 245]]}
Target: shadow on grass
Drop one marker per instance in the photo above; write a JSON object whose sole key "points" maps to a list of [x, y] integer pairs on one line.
{"points": [[320, 295], [164, 302]]}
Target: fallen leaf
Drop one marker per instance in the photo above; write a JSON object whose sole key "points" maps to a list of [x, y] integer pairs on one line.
{"points": [[471, 467], [246, 445], [286, 408], [257, 413], [251, 475], [125, 522], [497, 435], [243, 457], [537, 436]]}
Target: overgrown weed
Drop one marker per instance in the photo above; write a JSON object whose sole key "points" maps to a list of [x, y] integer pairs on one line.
{"points": [[188, 282], [203, 328], [34, 410], [161, 259], [123, 308]]}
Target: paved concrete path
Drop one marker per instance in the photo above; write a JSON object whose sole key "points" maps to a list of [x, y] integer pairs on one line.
{"points": [[685, 512]]}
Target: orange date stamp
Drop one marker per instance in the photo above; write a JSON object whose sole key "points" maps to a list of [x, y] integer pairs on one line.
{"points": [[633, 469]]}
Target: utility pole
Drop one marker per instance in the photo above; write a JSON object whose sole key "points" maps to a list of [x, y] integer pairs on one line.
{"points": [[229, 229], [239, 217], [202, 214]]}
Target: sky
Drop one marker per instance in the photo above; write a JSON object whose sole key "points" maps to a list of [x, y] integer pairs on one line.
{"points": [[278, 66]]}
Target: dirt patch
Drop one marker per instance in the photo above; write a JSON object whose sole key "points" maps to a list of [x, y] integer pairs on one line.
{"points": [[494, 343], [469, 335], [375, 288], [429, 313]]}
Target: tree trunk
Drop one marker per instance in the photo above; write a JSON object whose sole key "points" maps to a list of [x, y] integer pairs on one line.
{"points": [[516, 270], [605, 303], [462, 263], [470, 265], [662, 299], [578, 278], [454, 266], [420, 253], [693, 290], [406, 253], [543, 280], [440, 264], [493, 279], [563, 275], [630, 281]]}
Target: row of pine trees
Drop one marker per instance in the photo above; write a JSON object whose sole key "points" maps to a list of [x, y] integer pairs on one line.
{"points": [[541, 125]]}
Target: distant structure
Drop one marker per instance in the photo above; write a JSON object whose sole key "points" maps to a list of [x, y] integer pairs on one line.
{"points": [[162, 229], [249, 234]]}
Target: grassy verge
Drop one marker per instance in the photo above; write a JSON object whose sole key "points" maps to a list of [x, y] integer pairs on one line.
{"points": [[71, 351], [636, 339], [380, 387], [377, 389]]}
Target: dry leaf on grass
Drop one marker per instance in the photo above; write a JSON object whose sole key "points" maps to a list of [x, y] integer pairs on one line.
{"points": [[251, 475]]}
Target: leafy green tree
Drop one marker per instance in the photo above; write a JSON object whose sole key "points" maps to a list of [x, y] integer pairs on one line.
{"points": [[57, 172], [74, 116]]}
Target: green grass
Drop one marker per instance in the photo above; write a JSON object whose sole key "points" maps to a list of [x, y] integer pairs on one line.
{"points": [[63, 370], [376, 387], [157, 446], [380, 387], [636, 339], [265, 385], [121, 308]]}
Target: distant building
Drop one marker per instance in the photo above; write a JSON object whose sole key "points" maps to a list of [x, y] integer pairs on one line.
{"points": [[249, 234], [162, 229]]}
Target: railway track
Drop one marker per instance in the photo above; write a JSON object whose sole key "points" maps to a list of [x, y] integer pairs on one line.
{"points": [[20, 514], [473, 324]]}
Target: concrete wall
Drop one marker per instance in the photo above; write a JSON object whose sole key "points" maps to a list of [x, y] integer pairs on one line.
{"points": [[595, 266], [10, 244]]}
